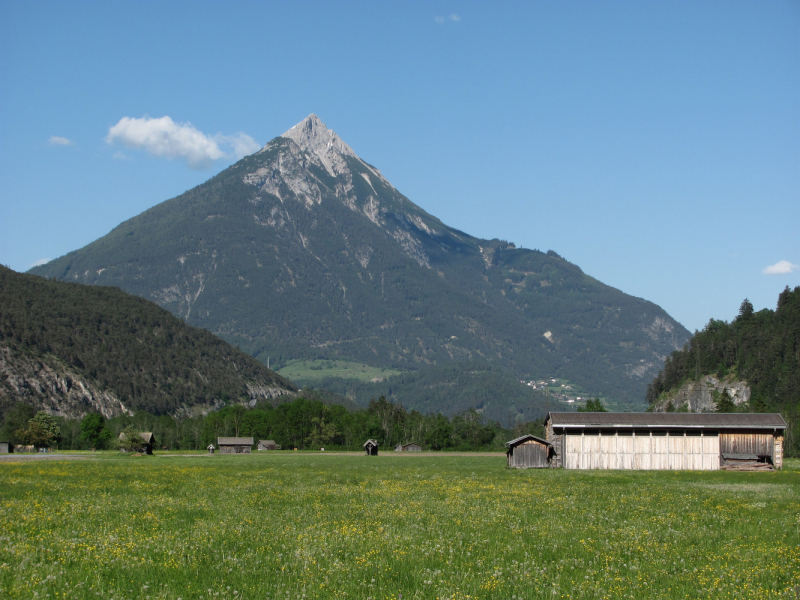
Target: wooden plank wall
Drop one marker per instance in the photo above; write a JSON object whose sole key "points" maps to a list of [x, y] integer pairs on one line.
{"points": [[557, 440], [615, 451], [528, 455], [746, 442], [777, 457]]}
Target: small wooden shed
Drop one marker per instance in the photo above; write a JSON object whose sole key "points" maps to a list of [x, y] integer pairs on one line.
{"points": [[235, 445], [6, 448], [267, 445], [371, 446], [148, 441], [528, 452], [411, 447]]}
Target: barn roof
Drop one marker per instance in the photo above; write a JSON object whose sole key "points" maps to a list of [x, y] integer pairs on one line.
{"points": [[700, 420], [525, 438], [147, 437], [235, 441]]}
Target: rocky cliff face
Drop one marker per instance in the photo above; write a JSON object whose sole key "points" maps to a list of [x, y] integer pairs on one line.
{"points": [[701, 396], [50, 386]]}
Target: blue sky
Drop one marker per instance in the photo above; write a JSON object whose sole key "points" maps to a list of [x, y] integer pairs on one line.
{"points": [[654, 144]]}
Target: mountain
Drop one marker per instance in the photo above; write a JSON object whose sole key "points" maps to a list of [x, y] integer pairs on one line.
{"points": [[303, 250], [72, 349]]}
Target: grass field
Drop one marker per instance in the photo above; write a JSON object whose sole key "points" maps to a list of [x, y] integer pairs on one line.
{"points": [[317, 369], [294, 526]]}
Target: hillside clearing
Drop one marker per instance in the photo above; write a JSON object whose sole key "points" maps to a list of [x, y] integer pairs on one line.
{"points": [[318, 369]]}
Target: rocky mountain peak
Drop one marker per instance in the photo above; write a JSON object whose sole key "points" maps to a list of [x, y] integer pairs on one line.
{"points": [[312, 136]]}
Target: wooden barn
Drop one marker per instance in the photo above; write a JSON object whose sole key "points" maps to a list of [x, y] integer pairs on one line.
{"points": [[412, 447], [148, 441], [528, 452], [6, 447], [267, 445], [371, 446], [674, 441], [235, 445]]}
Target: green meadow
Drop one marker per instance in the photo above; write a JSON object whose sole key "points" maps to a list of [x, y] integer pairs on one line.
{"points": [[318, 369], [286, 525]]}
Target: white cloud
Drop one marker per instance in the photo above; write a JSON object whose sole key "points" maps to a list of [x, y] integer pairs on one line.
{"points": [[440, 19], [60, 141], [164, 137], [780, 268], [241, 144], [40, 262]]}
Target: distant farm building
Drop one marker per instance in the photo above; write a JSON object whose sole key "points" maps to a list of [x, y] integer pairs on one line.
{"points": [[235, 445], [148, 441], [267, 445], [371, 446], [412, 447], [673, 441], [528, 452], [6, 447]]}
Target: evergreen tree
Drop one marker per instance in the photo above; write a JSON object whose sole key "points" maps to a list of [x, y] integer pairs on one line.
{"points": [[593, 406], [93, 430]]}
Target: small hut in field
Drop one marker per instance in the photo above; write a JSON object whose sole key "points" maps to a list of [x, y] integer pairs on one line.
{"points": [[146, 446], [6, 447], [235, 445], [528, 452], [371, 446], [267, 445], [411, 447]]}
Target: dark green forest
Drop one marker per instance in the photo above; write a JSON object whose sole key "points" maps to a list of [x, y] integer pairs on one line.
{"points": [[762, 348], [302, 423], [151, 360]]}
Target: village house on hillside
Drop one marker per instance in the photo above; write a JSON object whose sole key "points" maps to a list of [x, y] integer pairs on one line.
{"points": [[674, 441], [235, 445]]}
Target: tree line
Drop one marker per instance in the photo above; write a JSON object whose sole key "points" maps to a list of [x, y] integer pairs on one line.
{"points": [[301, 423]]}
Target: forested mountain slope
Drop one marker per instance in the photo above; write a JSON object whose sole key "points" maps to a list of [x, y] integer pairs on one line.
{"points": [[761, 348], [304, 250], [75, 349]]}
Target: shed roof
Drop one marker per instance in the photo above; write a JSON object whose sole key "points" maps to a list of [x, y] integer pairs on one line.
{"points": [[369, 441], [525, 438], [700, 420], [147, 437], [235, 441], [267, 442]]}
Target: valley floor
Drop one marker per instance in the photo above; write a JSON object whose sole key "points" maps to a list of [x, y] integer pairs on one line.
{"points": [[323, 525]]}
